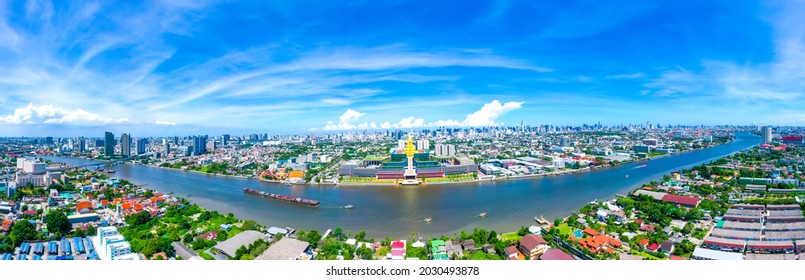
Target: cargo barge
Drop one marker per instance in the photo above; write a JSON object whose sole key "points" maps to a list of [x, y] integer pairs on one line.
{"points": [[291, 199]]}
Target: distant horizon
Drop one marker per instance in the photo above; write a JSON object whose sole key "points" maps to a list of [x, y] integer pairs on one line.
{"points": [[117, 133]]}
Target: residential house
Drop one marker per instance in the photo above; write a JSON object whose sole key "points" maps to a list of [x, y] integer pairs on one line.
{"points": [[554, 254], [512, 253], [532, 245], [667, 247]]}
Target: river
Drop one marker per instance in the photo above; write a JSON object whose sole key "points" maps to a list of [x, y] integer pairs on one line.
{"points": [[398, 211]]}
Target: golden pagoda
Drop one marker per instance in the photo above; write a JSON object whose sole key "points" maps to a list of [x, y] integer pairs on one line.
{"points": [[410, 172]]}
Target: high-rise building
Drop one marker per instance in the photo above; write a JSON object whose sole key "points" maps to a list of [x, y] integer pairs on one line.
{"points": [[141, 143], [125, 145], [423, 144], [225, 140], [167, 149], [445, 150], [564, 142], [109, 144], [199, 144], [767, 134], [79, 145]]}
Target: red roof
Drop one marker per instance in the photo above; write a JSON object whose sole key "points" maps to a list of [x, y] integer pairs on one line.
{"points": [[683, 200], [653, 246], [554, 254], [792, 138], [397, 245]]}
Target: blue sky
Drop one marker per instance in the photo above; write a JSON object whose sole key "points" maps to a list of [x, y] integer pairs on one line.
{"points": [[190, 67]]}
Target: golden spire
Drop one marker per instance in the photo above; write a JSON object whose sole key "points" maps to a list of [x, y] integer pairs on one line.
{"points": [[409, 148]]}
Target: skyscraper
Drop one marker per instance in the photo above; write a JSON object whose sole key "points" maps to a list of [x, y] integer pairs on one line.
{"points": [[225, 140], [109, 144], [199, 144], [125, 145], [141, 143], [79, 144], [767, 134]]}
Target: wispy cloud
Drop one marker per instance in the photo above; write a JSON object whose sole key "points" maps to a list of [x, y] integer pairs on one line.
{"points": [[626, 76]]}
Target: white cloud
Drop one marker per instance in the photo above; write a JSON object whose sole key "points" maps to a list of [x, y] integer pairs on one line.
{"points": [[164, 123], [486, 116], [490, 112], [49, 114], [345, 121], [626, 76]]}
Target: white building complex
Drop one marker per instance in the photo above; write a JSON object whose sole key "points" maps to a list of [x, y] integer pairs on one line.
{"points": [[113, 246]]}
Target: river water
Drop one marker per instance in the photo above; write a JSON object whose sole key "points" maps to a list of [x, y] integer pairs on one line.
{"points": [[398, 211]]}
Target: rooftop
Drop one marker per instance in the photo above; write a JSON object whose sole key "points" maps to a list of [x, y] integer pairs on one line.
{"points": [[245, 238], [285, 249]]}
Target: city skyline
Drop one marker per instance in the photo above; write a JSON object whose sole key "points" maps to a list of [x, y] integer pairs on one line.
{"points": [[291, 68]]}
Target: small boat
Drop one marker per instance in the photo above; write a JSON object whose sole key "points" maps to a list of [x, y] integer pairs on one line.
{"points": [[644, 165], [349, 206], [483, 214], [428, 219], [627, 175], [287, 183]]}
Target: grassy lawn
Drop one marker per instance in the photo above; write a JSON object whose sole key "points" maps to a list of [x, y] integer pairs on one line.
{"points": [[510, 236], [643, 254], [564, 229], [232, 232]]}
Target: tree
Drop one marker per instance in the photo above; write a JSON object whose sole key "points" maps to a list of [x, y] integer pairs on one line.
{"points": [[523, 231], [140, 218], [313, 238], [21, 231], [250, 225], [57, 223], [360, 236], [338, 233]]}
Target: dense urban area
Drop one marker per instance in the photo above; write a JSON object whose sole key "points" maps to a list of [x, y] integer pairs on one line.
{"points": [[745, 206]]}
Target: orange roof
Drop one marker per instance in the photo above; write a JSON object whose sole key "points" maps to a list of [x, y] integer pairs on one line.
{"points": [[643, 242], [126, 205], [7, 222], [138, 207], [82, 205], [590, 231], [104, 202], [297, 174], [614, 242]]}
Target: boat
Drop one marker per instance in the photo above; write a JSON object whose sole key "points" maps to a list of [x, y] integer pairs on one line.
{"points": [[428, 219], [348, 206], [627, 175], [291, 199], [483, 214]]}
